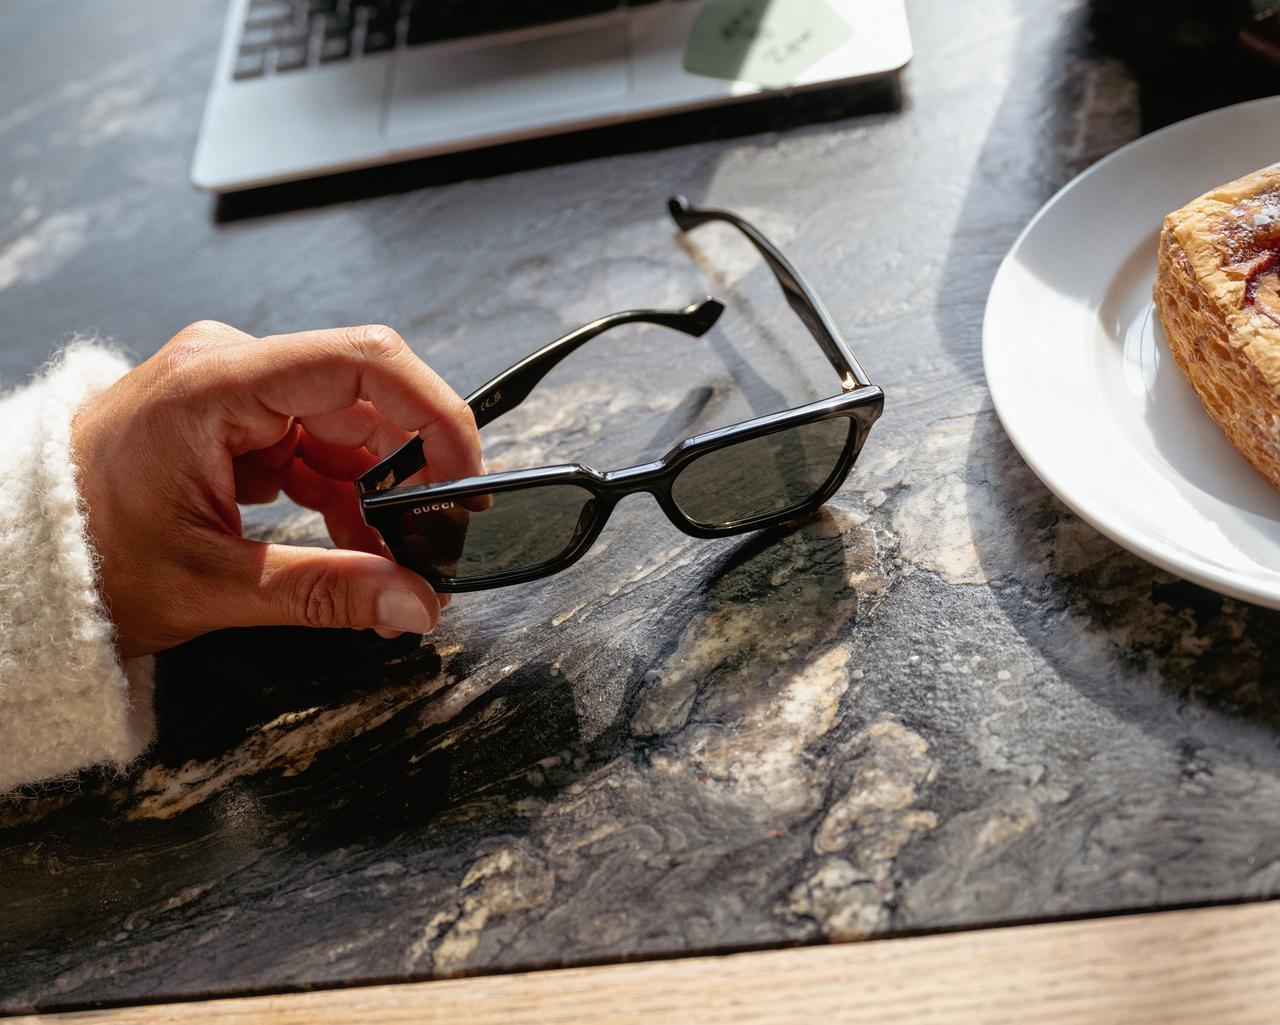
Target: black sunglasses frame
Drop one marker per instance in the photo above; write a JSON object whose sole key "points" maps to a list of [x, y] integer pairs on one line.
{"points": [[860, 401]]}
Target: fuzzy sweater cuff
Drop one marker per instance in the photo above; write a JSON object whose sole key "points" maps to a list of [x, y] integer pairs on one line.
{"points": [[67, 701]]}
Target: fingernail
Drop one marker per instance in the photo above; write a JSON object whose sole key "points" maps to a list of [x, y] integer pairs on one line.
{"points": [[401, 610], [445, 598]]}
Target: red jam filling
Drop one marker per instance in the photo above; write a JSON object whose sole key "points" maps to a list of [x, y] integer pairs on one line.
{"points": [[1262, 284]]}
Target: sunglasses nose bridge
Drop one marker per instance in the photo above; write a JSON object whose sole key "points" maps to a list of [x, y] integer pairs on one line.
{"points": [[648, 477]]}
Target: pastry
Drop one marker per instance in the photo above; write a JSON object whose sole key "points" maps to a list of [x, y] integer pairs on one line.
{"points": [[1218, 295]]}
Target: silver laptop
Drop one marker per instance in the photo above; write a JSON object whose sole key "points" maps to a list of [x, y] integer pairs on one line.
{"points": [[308, 87]]}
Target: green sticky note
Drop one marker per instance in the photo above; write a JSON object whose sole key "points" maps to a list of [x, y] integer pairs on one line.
{"points": [[768, 42]]}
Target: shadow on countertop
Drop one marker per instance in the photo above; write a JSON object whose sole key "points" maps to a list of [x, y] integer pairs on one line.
{"points": [[743, 119]]}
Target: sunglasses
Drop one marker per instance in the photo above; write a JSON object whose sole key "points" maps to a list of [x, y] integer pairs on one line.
{"points": [[506, 528]]}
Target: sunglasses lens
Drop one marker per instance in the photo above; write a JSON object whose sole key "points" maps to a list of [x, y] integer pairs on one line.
{"points": [[515, 532], [765, 476]]}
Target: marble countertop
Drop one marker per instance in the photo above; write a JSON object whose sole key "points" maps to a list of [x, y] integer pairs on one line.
{"points": [[943, 701]]}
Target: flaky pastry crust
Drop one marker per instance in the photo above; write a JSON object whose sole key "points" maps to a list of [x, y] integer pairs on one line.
{"points": [[1218, 295]]}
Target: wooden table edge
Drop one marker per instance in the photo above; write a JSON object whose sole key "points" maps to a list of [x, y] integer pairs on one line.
{"points": [[1209, 966]]}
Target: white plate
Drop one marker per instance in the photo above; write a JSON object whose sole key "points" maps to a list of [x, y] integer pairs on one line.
{"points": [[1082, 381]]}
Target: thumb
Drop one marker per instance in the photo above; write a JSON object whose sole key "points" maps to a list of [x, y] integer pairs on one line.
{"points": [[323, 587]]}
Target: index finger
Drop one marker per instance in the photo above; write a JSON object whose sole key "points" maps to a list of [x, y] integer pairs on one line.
{"points": [[316, 372]]}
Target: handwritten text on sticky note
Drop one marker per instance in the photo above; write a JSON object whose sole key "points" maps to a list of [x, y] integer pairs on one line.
{"points": [[767, 42]]}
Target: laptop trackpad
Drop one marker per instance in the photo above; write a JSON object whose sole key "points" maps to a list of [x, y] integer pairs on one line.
{"points": [[505, 87]]}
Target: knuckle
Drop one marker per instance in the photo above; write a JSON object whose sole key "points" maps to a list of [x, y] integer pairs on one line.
{"points": [[320, 605], [205, 330], [377, 340], [193, 345], [323, 601]]}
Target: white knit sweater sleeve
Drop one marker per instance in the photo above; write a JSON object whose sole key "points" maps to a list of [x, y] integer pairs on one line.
{"points": [[67, 702]]}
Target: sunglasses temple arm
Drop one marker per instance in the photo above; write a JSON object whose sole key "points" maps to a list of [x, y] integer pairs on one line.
{"points": [[402, 464], [513, 385], [800, 297]]}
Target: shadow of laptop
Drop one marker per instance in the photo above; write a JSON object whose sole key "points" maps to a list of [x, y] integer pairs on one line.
{"points": [[785, 110]]}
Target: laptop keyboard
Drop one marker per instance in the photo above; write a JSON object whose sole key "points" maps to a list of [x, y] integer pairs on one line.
{"points": [[287, 35]]}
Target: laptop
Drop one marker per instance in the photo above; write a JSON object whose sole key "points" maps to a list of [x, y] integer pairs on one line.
{"points": [[311, 87]]}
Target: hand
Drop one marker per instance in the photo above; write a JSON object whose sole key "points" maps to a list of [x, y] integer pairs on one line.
{"points": [[218, 417]]}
